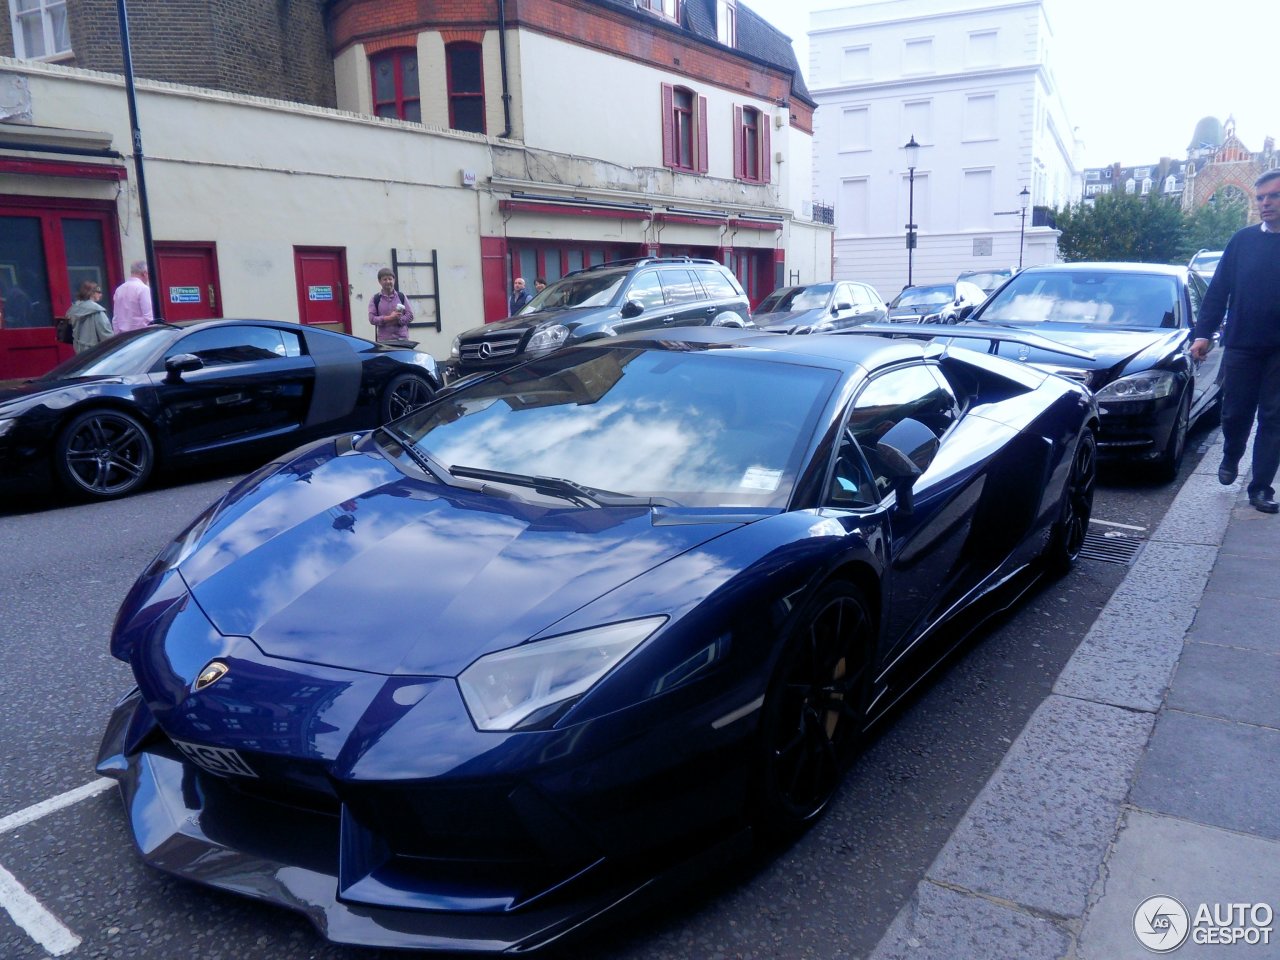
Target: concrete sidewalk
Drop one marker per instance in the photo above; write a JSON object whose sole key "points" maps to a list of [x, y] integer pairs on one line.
{"points": [[1150, 775]]}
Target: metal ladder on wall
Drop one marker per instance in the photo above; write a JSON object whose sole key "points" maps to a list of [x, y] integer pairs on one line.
{"points": [[431, 265]]}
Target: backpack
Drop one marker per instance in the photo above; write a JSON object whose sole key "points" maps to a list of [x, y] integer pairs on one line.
{"points": [[377, 299], [65, 331]]}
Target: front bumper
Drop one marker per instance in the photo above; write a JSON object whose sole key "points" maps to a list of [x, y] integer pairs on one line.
{"points": [[1136, 431], [316, 858]]}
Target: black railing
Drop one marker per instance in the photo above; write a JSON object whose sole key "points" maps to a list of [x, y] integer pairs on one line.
{"points": [[824, 213]]}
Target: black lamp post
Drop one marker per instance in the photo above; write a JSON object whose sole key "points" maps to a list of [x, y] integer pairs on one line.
{"points": [[1024, 199], [913, 154]]}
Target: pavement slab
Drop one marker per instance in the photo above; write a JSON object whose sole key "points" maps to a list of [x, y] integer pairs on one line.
{"points": [[1229, 683], [1193, 863], [1216, 772]]}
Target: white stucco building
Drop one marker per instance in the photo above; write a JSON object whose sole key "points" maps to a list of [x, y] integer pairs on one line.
{"points": [[973, 83]]}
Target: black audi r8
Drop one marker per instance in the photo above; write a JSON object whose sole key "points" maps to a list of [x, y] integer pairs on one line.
{"points": [[476, 679], [166, 395]]}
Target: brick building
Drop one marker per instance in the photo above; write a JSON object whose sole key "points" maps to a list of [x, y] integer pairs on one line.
{"points": [[278, 50]]}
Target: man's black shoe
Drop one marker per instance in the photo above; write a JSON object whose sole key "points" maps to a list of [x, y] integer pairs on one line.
{"points": [[1226, 474], [1263, 503]]}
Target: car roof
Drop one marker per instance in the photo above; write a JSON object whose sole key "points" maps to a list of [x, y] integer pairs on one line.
{"points": [[831, 350], [1160, 269]]}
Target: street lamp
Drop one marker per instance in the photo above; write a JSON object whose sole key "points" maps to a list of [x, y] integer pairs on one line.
{"points": [[913, 154], [1024, 199]]}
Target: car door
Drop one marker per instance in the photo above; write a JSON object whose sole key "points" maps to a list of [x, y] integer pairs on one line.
{"points": [[686, 302], [867, 305], [255, 384], [1207, 372], [644, 288], [927, 557]]}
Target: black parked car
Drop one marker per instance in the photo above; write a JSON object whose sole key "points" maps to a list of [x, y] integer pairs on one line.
{"points": [[936, 303], [102, 421], [605, 300], [1136, 320], [820, 307]]}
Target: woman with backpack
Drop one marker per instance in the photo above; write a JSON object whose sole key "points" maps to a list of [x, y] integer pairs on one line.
{"points": [[389, 311], [89, 322]]}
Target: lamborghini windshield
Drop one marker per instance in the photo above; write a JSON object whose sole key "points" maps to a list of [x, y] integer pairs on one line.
{"points": [[700, 428]]}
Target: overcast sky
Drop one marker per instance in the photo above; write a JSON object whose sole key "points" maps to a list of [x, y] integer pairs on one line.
{"points": [[1136, 78]]}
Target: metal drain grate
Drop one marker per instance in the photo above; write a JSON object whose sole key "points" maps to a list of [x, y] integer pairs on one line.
{"points": [[1111, 548]]}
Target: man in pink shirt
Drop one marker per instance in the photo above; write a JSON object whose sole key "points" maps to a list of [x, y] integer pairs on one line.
{"points": [[131, 302]]}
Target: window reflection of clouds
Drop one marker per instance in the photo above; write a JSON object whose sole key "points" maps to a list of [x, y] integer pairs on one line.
{"points": [[649, 446]]}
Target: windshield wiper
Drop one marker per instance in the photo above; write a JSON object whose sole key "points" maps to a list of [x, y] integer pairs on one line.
{"points": [[423, 459], [561, 488]]}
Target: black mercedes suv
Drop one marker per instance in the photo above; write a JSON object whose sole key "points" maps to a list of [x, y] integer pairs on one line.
{"points": [[603, 301]]}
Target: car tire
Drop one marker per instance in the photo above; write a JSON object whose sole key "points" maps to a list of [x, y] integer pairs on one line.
{"points": [[405, 393], [102, 454], [815, 712], [1066, 537], [1167, 466]]}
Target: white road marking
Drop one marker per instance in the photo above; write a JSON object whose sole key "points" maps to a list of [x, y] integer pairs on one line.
{"points": [[1110, 523], [45, 807], [27, 912], [40, 925]]}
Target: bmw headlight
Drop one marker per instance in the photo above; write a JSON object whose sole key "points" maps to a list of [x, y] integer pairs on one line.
{"points": [[523, 685], [1148, 385], [548, 337]]}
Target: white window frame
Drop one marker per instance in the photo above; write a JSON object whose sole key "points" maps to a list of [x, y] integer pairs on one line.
{"points": [[43, 10]]}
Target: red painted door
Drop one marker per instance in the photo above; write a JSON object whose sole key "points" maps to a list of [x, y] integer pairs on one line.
{"points": [[322, 287], [188, 281]]}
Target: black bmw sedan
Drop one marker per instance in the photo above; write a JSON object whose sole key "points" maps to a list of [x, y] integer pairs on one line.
{"points": [[1136, 320], [100, 423]]}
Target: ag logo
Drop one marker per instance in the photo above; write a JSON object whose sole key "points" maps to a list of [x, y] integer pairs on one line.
{"points": [[1161, 924]]}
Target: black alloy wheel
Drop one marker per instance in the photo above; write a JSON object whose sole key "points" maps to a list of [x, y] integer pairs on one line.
{"points": [[1066, 540], [815, 712], [103, 454], [404, 394]]}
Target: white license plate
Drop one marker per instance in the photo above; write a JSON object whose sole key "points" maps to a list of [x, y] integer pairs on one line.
{"points": [[220, 760]]}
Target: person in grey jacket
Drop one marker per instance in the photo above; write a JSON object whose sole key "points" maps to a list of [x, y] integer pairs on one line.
{"points": [[89, 322]]}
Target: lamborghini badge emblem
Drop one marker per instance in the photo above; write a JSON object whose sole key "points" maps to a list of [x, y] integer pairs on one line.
{"points": [[211, 674]]}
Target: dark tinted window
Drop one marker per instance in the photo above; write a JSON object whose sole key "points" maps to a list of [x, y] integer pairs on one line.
{"points": [[717, 283], [679, 286], [238, 344], [910, 392]]}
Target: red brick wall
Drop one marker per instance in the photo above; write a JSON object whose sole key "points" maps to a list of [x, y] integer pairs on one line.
{"points": [[642, 38]]}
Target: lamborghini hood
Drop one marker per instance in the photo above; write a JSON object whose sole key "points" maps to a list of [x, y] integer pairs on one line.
{"points": [[347, 562]]}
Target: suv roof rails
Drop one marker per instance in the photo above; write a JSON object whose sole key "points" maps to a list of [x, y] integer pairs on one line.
{"points": [[643, 261]]}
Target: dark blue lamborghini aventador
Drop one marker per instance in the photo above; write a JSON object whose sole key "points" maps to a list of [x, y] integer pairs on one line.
{"points": [[475, 678]]}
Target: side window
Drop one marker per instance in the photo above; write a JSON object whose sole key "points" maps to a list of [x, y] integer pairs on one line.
{"points": [[1197, 289], [870, 295], [909, 392], [717, 284], [647, 290], [680, 287], [846, 294], [221, 346], [852, 484]]}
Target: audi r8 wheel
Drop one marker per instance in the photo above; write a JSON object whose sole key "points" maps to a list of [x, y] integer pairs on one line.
{"points": [[1066, 540], [404, 394], [103, 454], [815, 711]]}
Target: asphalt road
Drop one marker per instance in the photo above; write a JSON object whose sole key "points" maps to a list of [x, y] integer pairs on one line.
{"points": [[70, 877]]}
